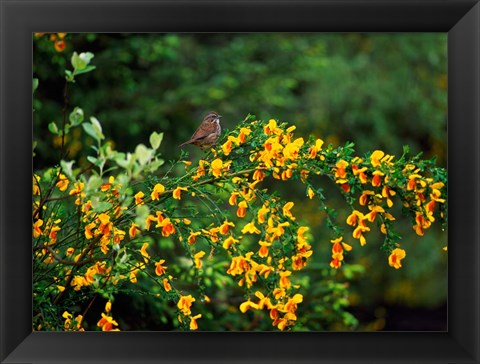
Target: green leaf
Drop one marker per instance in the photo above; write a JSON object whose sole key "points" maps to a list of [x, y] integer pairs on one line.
{"points": [[34, 84], [143, 154], [94, 182], [86, 57], [156, 140], [85, 70], [77, 62], [141, 212], [53, 128], [102, 206], [81, 61], [97, 127], [93, 160], [94, 129], [89, 130], [67, 169], [76, 116], [69, 76], [156, 164]]}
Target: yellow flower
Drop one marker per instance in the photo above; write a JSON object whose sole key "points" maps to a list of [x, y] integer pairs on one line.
{"points": [[88, 230], [261, 213], [314, 149], [242, 209], [166, 285], [35, 186], [278, 230], [377, 178], [178, 191], [310, 193], [225, 227], [250, 228], [272, 128], [36, 228], [167, 226], [159, 268], [143, 251], [139, 197], [193, 322], [245, 306], [107, 323], [228, 242], [233, 198], [108, 306], [185, 303], [227, 146], [284, 280], [286, 210], [157, 191], [198, 259], [286, 174], [376, 158], [340, 171], [192, 238], [77, 190], [263, 251], [258, 175], [62, 183], [132, 232], [394, 260], [216, 167], [291, 149]]}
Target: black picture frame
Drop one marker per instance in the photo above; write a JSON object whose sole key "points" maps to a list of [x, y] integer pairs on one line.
{"points": [[459, 18]]}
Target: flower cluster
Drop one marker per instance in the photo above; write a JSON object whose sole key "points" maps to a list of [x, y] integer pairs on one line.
{"points": [[58, 40], [109, 233]]}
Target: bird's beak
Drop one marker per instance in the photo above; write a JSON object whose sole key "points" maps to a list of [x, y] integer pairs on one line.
{"points": [[220, 116]]}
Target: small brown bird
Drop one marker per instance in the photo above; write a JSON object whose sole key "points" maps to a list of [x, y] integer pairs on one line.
{"points": [[207, 133]]}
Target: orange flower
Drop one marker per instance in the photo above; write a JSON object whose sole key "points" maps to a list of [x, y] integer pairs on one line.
{"points": [[193, 322], [225, 227], [62, 183], [192, 238], [143, 251], [134, 229], [217, 167], [185, 303], [177, 192], [198, 259], [263, 251], [258, 175], [394, 260], [60, 45], [107, 323], [166, 285], [228, 242], [159, 268], [376, 158], [242, 209], [340, 171], [286, 210], [138, 198], [157, 191], [36, 228], [335, 263], [377, 178]]}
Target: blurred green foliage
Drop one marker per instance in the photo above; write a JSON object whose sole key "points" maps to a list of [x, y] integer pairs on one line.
{"points": [[380, 91]]}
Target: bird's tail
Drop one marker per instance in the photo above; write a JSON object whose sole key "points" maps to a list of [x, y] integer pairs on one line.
{"points": [[183, 144]]}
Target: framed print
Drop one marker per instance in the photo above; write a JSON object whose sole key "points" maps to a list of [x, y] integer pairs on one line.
{"points": [[160, 215]]}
